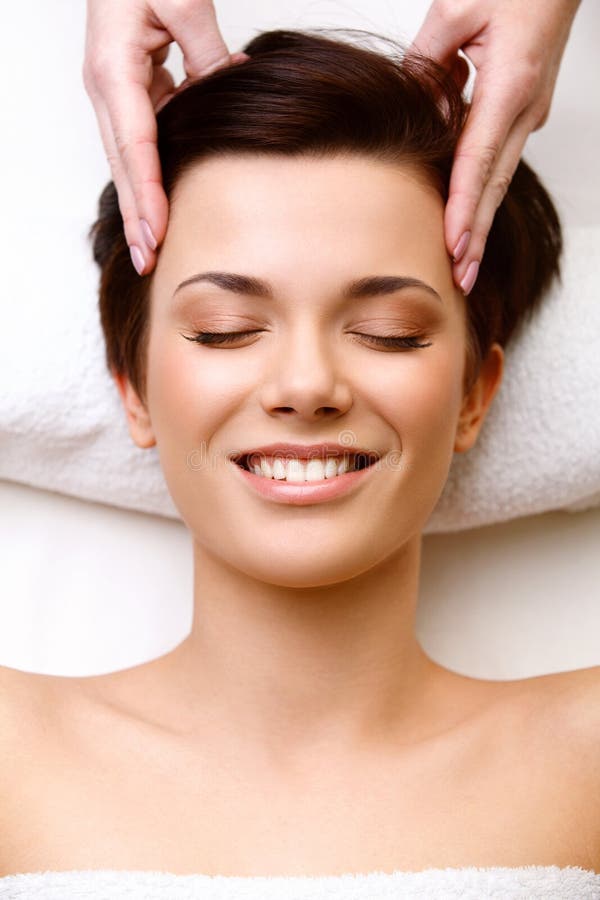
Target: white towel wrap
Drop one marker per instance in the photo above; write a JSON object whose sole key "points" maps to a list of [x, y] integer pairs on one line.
{"points": [[524, 883]]}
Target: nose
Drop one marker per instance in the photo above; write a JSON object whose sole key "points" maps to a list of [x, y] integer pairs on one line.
{"points": [[306, 378]]}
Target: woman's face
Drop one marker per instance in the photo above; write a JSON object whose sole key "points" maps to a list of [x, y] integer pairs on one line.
{"points": [[308, 229]]}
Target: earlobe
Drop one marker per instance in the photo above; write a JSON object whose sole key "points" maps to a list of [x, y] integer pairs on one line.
{"points": [[479, 399], [138, 418]]}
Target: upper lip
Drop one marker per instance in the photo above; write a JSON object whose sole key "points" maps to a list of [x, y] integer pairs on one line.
{"points": [[305, 451]]}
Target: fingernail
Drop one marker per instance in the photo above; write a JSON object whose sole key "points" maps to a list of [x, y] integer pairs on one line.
{"points": [[137, 258], [470, 277], [148, 236], [237, 58], [163, 102], [459, 250]]}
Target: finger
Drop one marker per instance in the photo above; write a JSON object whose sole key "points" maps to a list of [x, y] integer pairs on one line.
{"points": [[484, 134], [195, 29], [162, 86], [237, 58], [163, 101], [234, 60], [492, 196], [160, 56], [443, 33], [133, 124], [134, 236]]}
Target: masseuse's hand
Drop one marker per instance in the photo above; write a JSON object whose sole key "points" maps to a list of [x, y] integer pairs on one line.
{"points": [[127, 42], [516, 47]]}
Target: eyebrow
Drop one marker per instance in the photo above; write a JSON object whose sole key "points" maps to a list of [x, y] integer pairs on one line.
{"points": [[372, 286]]}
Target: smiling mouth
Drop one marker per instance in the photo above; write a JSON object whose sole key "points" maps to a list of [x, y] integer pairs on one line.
{"points": [[293, 469]]}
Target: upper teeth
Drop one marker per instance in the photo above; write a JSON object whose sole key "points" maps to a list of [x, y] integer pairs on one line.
{"points": [[299, 470]]}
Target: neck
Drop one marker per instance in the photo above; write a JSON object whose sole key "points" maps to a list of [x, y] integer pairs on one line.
{"points": [[284, 671]]}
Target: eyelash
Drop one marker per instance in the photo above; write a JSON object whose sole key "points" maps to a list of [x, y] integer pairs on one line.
{"points": [[216, 338]]}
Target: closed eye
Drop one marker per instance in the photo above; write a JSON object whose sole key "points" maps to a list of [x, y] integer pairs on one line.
{"points": [[394, 342], [219, 337]]}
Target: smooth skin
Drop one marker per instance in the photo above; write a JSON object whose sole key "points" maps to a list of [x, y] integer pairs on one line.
{"points": [[515, 45], [300, 729]]}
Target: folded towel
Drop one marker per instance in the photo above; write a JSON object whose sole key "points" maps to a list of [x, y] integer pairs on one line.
{"points": [[525, 883], [63, 428]]}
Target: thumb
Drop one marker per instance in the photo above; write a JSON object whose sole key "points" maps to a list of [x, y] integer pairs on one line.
{"points": [[444, 33], [195, 29]]}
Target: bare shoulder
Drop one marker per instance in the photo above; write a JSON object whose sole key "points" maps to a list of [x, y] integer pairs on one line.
{"points": [[550, 727], [20, 708], [568, 700], [564, 711], [28, 707], [20, 704], [574, 698]]}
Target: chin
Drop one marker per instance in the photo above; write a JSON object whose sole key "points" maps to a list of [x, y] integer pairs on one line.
{"points": [[304, 567]]}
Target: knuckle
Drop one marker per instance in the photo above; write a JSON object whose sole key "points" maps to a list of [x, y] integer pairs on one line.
{"points": [[499, 186], [531, 75], [540, 111], [141, 182], [186, 7], [484, 156], [520, 94], [115, 168], [487, 158], [541, 119], [113, 161], [451, 11], [129, 146], [96, 68], [524, 83], [86, 76], [127, 164], [444, 9], [524, 86]]}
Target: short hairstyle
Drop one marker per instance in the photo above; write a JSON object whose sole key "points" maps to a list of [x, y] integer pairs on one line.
{"points": [[303, 93]]}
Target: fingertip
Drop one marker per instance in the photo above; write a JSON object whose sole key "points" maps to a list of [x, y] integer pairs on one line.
{"points": [[461, 246], [143, 261], [163, 101], [470, 277], [137, 258], [458, 224], [237, 58], [148, 235], [153, 217]]}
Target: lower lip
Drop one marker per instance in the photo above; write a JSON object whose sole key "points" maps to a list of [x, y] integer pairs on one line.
{"points": [[302, 494]]}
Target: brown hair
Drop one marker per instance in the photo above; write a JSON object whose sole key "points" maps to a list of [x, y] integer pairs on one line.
{"points": [[302, 93]]}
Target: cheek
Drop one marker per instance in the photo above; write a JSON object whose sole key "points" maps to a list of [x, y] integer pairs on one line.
{"points": [[427, 423], [421, 401], [190, 391]]}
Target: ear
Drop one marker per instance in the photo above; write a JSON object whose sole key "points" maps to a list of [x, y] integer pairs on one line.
{"points": [[477, 402], [138, 418]]}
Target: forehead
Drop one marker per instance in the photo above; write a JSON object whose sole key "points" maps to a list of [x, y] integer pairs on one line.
{"points": [[271, 214]]}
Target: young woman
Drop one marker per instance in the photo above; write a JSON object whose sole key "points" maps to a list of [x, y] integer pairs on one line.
{"points": [[306, 368]]}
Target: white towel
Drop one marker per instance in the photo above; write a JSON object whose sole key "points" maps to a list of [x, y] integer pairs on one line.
{"points": [[525, 883], [62, 426]]}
